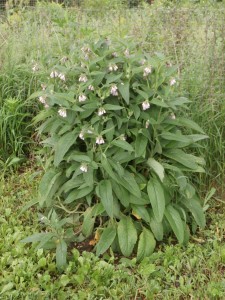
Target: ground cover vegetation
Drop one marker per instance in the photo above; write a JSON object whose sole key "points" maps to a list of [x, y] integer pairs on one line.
{"points": [[40, 57]]}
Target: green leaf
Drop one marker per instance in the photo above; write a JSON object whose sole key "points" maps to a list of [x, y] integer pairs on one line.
{"points": [[197, 211], [48, 186], [63, 145], [79, 158], [106, 196], [140, 145], [61, 253], [156, 167], [181, 157], [129, 182], [121, 193], [106, 240], [175, 137], [112, 78], [127, 235], [107, 167], [7, 287], [146, 244], [36, 237], [141, 211], [122, 144], [124, 91], [112, 107], [88, 223], [157, 229], [157, 198], [174, 219], [77, 194]]}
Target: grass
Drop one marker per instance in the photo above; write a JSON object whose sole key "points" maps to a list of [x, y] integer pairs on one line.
{"points": [[173, 272]]}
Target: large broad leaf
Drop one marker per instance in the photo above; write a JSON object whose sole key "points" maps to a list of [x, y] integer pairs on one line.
{"points": [[107, 167], [146, 244], [112, 107], [105, 193], [121, 193], [106, 240], [140, 145], [129, 182], [156, 167], [174, 219], [122, 144], [36, 237], [48, 186], [197, 211], [61, 252], [175, 137], [127, 235], [157, 198], [63, 145], [77, 194], [124, 91], [140, 212], [157, 229], [88, 223], [181, 157]]}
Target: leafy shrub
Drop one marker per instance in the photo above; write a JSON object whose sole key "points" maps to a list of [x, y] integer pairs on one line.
{"points": [[117, 169]]}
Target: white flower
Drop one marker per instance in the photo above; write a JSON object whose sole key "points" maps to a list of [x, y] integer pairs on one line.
{"points": [[100, 140], [147, 71], [43, 86], [123, 137], [42, 99], [91, 88], [85, 50], [147, 124], [64, 59], [81, 135], [113, 68], [54, 74], [172, 81], [82, 98], [62, 112], [172, 116], [127, 53], [83, 78], [46, 105], [62, 76], [89, 131], [84, 168], [35, 67], [142, 62], [145, 105], [86, 57], [114, 91], [114, 54], [101, 111]]}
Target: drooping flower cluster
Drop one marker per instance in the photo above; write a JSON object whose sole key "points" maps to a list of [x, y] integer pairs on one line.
{"points": [[101, 111], [84, 168], [145, 105], [147, 71], [100, 140], [113, 67], [83, 78], [82, 98], [62, 112], [114, 90], [55, 74]]}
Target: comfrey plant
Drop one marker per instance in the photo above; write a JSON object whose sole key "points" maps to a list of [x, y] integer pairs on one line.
{"points": [[118, 172]]}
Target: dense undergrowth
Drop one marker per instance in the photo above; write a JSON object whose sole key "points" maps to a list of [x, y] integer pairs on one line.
{"points": [[173, 272]]}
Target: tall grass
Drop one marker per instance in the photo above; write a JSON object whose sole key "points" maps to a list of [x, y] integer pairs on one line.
{"points": [[193, 39]]}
